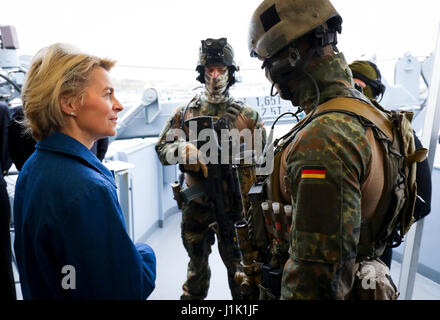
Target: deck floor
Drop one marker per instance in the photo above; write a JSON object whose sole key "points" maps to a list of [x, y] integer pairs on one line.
{"points": [[172, 261]]}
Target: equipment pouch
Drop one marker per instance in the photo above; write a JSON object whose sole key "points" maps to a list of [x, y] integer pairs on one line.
{"points": [[373, 282], [270, 287]]}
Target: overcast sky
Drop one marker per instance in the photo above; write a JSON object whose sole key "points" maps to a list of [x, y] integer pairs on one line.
{"points": [[167, 33]]}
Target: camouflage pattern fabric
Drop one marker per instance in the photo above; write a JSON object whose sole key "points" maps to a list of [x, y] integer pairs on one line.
{"points": [[199, 217], [326, 163], [214, 98], [200, 106], [334, 79], [198, 237], [218, 85]]}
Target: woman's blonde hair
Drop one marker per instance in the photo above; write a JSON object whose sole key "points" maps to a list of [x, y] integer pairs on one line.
{"points": [[57, 70]]}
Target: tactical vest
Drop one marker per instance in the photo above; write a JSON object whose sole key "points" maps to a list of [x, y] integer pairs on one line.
{"points": [[225, 121], [233, 110], [393, 131]]}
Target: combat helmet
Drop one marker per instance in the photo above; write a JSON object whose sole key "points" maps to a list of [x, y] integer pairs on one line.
{"points": [[216, 52], [276, 23]]}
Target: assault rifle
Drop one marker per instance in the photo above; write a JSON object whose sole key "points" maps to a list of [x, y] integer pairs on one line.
{"points": [[212, 187]]}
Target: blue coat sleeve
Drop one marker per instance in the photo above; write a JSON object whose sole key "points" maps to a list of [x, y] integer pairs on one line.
{"points": [[95, 243], [149, 265]]}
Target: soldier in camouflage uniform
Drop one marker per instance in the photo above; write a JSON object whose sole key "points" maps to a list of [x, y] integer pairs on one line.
{"points": [[331, 168], [200, 222], [368, 80]]}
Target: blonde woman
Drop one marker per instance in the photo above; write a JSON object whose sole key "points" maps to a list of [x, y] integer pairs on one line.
{"points": [[70, 237]]}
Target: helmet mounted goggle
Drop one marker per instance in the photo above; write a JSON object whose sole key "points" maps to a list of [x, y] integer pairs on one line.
{"points": [[213, 52]]}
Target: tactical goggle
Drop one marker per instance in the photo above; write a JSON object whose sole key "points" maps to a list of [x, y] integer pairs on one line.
{"points": [[376, 86]]}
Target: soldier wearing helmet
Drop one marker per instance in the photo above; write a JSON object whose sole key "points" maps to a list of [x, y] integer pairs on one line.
{"points": [[202, 216], [331, 167], [368, 80], [216, 66]]}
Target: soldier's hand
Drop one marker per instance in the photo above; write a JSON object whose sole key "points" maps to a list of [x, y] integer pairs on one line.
{"points": [[193, 159]]}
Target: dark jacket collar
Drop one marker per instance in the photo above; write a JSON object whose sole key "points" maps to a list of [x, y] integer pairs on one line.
{"points": [[62, 143]]}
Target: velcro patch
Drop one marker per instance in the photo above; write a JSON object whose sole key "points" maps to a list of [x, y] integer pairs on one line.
{"points": [[313, 172], [269, 18]]}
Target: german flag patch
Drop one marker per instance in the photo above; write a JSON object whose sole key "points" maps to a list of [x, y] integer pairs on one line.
{"points": [[312, 172]]}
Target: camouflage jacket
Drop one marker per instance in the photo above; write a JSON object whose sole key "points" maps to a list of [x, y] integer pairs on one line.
{"points": [[248, 118], [326, 164]]}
